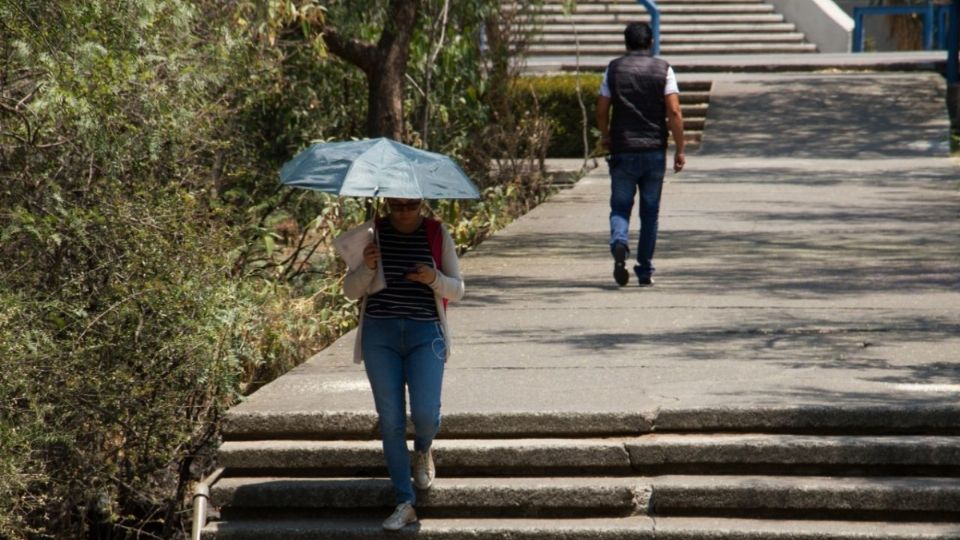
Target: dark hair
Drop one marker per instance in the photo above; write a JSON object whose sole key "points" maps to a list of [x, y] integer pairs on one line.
{"points": [[638, 36]]}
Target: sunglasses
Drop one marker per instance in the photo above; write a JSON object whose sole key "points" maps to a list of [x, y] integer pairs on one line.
{"points": [[404, 207]]}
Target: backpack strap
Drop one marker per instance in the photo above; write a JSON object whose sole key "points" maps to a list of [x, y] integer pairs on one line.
{"points": [[435, 240]]}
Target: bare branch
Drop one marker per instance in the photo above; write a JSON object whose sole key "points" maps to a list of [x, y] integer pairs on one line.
{"points": [[359, 53]]}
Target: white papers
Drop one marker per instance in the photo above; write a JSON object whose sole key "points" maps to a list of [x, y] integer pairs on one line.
{"points": [[350, 245]]}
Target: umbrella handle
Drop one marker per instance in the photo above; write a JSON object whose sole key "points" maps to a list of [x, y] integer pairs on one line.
{"points": [[373, 209]]}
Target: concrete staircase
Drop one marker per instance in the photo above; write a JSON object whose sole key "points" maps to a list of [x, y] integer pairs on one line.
{"points": [[694, 102], [687, 27], [692, 475]]}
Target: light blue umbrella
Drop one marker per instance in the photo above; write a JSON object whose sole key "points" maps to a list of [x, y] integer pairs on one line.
{"points": [[378, 168]]}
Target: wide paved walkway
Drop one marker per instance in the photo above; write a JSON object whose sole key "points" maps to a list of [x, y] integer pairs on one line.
{"points": [[809, 256]]}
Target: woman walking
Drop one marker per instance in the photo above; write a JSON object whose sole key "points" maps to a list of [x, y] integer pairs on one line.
{"points": [[403, 339]]}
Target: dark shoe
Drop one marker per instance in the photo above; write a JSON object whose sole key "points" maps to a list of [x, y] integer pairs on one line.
{"points": [[620, 273], [645, 281]]}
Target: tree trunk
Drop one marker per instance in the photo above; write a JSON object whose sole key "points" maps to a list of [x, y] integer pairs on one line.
{"points": [[385, 65], [388, 78], [499, 55], [385, 86]]}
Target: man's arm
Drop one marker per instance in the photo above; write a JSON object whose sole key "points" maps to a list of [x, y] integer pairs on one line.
{"points": [[603, 119], [675, 123]]}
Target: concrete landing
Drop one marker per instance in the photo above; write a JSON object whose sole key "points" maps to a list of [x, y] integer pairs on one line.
{"points": [[756, 63], [809, 259]]}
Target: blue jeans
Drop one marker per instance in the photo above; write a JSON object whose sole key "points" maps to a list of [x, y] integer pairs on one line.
{"points": [[402, 354], [630, 172]]}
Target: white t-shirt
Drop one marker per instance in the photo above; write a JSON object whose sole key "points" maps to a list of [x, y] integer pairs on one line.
{"points": [[670, 88]]}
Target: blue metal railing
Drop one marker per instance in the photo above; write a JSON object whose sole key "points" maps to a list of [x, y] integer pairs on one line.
{"points": [[953, 43], [936, 22], [654, 12]]}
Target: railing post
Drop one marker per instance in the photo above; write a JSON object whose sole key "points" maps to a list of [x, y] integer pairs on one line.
{"points": [[953, 43], [857, 30], [654, 12], [928, 21]]}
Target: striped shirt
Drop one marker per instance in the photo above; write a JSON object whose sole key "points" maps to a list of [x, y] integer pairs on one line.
{"points": [[402, 298]]}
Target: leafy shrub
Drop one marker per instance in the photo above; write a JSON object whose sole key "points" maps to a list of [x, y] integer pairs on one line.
{"points": [[124, 331], [556, 98], [120, 371]]}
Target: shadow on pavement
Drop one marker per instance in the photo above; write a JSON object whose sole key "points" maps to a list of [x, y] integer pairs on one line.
{"points": [[827, 117]]}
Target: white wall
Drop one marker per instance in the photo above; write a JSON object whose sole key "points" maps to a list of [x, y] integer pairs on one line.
{"points": [[822, 21]]}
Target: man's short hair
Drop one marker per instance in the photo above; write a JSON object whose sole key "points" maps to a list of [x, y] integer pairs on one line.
{"points": [[638, 36]]}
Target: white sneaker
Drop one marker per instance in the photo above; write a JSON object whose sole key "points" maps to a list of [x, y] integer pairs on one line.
{"points": [[423, 470], [403, 515]]}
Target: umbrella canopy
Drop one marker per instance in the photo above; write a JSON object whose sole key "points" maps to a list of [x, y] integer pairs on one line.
{"points": [[378, 168]]}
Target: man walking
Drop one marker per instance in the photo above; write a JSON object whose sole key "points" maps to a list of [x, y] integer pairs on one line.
{"points": [[642, 90]]}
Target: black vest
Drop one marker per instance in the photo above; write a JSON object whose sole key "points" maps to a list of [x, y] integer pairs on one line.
{"points": [[639, 122]]}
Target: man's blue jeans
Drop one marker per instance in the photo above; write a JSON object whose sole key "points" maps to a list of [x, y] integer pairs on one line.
{"points": [[400, 354], [630, 172]]}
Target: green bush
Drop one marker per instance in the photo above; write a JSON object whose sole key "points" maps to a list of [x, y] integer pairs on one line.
{"points": [[125, 328], [555, 97], [118, 374]]}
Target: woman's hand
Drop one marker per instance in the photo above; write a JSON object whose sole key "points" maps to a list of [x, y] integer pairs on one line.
{"points": [[371, 256], [422, 273]]}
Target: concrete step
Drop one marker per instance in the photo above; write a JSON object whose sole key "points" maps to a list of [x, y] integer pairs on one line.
{"points": [[694, 101], [668, 29], [649, 454], [754, 496], [530, 497], [701, 48], [694, 111], [637, 9], [692, 87], [568, 38], [245, 422], [441, 529], [504, 457], [660, 3], [760, 529], [632, 528], [804, 496], [801, 453], [623, 19]]}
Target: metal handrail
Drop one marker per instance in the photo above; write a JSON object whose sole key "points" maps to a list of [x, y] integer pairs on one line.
{"points": [[654, 12], [201, 497]]}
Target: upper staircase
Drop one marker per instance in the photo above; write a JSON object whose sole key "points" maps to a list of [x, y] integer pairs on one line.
{"points": [[687, 27]]}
